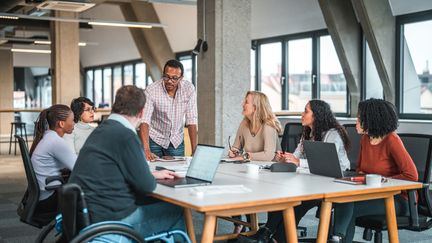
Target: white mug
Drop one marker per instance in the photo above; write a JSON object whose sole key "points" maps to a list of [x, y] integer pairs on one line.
{"points": [[373, 180], [252, 169]]}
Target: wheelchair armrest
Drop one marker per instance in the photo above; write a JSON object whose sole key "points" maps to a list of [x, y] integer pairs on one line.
{"points": [[50, 179], [413, 210]]}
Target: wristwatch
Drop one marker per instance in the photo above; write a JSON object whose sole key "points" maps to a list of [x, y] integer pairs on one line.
{"points": [[246, 156]]}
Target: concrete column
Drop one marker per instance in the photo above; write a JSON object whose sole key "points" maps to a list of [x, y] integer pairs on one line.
{"points": [[65, 60], [379, 28], [346, 35], [152, 44], [6, 90], [224, 70]]}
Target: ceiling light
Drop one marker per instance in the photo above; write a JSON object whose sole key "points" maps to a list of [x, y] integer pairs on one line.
{"points": [[82, 44], [8, 17], [118, 24], [88, 21], [31, 51], [41, 42]]}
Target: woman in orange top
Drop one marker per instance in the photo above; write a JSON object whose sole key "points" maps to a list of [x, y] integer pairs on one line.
{"points": [[382, 152]]}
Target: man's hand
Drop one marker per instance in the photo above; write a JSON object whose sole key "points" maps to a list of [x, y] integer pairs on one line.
{"points": [[164, 174], [149, 155]]}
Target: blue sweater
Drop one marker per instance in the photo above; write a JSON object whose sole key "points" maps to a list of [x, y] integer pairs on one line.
{"points": [[112, 171]]}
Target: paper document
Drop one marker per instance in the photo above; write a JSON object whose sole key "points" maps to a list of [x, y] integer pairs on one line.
{"points": [[220, 189]]}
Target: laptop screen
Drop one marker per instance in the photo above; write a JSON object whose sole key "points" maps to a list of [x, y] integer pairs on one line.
{"points": [[205, 162]]}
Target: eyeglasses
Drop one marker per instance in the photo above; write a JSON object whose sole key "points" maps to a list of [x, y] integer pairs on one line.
{"points": [[90, 109], [167, 78]]}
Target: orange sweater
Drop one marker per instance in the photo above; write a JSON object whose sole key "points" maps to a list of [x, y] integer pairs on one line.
{"points": [[389, 158]]}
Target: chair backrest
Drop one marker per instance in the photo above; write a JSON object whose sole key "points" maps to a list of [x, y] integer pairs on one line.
{"points": [[419, 147], [291, 136], [354, 137], [27, 206], [73, 209]]}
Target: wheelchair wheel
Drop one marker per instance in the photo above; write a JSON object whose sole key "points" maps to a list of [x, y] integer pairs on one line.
{"points": [[106, 229]]}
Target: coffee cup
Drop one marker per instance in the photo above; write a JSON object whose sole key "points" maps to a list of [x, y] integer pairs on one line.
{"points": [[373, 180], [252, 169]]}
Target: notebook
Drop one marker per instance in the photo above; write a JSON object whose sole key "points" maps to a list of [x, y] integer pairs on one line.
{"points": [[202, 168], [323, 159]]}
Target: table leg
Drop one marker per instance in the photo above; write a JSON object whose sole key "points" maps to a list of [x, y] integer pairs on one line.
{"points": [[391, 219], [189, 224], [290, 225], [324, 222], [209, 228]]}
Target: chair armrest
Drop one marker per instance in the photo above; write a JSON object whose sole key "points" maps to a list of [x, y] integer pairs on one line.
{"points": [[50, 179], [413, 210]]}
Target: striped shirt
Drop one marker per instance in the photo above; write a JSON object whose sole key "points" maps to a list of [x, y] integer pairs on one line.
{"points": [[166, 115]]}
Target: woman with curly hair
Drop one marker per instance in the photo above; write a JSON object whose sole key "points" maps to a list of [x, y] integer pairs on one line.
{"points": [[381, 152], [319, 124], [83, 110]]}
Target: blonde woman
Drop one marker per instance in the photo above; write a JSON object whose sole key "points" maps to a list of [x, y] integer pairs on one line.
{"points": [[257, 135]]}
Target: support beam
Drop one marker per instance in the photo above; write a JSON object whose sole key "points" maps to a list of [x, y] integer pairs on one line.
{"points": [[379, 27], [346, 36], [65, 60], [152, 44], [6, 90], [224, 70]]}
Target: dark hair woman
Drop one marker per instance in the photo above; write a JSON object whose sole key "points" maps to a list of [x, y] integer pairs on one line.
{"points": [[83, 110], [50, 153], [381, 152], [319, 124]]}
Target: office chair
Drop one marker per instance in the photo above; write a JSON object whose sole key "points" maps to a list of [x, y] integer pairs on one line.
{"points": [[419, 146], [27, 206], [353, 152], [291, 136], [75, 226]]}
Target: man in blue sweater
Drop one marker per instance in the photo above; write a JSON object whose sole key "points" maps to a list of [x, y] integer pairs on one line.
{"points": [[114, 175]]}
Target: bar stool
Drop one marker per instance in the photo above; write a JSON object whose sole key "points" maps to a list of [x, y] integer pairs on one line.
{"points": [[14, 127]]}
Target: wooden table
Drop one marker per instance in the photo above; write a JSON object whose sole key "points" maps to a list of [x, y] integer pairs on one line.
{"points": [[278, 192]]}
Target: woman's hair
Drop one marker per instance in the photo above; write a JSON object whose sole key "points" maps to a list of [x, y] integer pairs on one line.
{"points": [[324, 120], [48, 119], [77, 107], [377, 117], [263, 113]]}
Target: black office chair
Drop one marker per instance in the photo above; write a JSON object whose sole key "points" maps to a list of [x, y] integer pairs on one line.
{"points": [[291, 136], [27, 206], [353, 152], [419, 146]]}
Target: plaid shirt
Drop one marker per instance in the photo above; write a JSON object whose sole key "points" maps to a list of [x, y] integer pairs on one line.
{"points": [[166, 115]]}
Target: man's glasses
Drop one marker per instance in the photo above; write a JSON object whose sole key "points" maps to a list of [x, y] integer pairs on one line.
{"points": [[90, 109], [174, 79]]}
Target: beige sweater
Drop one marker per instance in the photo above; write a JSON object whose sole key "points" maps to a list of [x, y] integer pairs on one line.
{"points": [[260, 147]]}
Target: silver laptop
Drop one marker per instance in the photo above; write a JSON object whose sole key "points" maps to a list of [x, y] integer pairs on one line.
{"points": [[202, 168], [323, 159]]}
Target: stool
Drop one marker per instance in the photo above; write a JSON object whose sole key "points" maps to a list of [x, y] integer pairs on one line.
{"points": [[14, 127]]}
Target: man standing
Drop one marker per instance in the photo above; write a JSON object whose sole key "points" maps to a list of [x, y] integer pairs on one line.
{"points": [[113, 173], [169, 101]]}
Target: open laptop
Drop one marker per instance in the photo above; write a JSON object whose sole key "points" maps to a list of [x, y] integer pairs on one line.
{"points": [[323, 159], [202, 168]]}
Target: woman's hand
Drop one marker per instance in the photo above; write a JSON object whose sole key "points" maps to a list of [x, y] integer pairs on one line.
{"points": [[286, 157], [164, 174], [233, 153]]}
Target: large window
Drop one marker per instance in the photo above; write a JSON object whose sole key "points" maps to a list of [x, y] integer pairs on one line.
{"points": [[293, 69], [415, 52], [189, 62]]}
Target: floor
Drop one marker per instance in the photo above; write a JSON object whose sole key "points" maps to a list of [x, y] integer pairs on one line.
{"points": [[13, 185]]}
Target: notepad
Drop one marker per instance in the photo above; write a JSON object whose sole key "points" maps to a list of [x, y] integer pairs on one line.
{"points": [[170, 159], [354, 180]]}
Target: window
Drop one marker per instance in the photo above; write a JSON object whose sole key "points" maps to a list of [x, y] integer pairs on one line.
{"points": [[293, 69], [271, 73], [117, 79], [128, 75], [89, 84], [107, 80], [98, 87], [189, 65], [372, 82], [140, 75], [253, 70], [415, 56], [333, 86]]}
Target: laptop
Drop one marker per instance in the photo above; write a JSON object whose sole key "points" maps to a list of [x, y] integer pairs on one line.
{"points": [[323, 159], [202, 168]]}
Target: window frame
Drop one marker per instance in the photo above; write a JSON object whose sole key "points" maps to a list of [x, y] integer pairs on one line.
{"points": [[284, 39], [401, 20]]}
